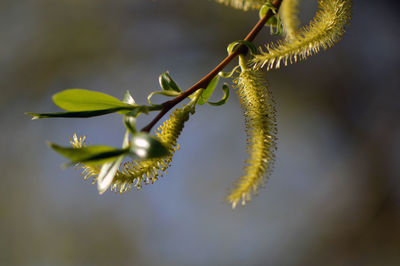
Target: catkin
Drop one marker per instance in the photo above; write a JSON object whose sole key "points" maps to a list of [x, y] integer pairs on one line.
{"points": [[327, 28], [260, 120], [135, 173]]}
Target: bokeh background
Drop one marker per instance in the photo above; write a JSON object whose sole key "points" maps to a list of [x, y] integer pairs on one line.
{"points": [[334, 198]]}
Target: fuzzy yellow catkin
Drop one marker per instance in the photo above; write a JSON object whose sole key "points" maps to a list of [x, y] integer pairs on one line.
{"points": [[243, 4], [288, 13], [134, 173], [327, 27], [260, 120]]}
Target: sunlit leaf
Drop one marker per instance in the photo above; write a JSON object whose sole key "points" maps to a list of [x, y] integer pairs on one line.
{"points": [[231, 47], [167, 83], [130, 123], [265, 8], [273, 22], [145, 146], [169, 93], [78, 100], [89, 154], [107, 174], [208, 91], [224, 99], [128, 98], [125, 142], [228, 74]]}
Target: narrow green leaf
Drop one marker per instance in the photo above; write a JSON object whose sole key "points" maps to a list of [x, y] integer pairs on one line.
{"points": [[125, 142], [252, 48], [194, 98], [128, 98], [130, 123], [82, 114], [168, 93], [273, 22], [228, 74], [208, 91], [167, 83], [107, 174], [265, 8], [89, 154], [224, 99], [144, 146], [78, 100]]}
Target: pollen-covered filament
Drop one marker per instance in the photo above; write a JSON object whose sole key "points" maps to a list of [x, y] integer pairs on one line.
{"points": [[259, 111]]}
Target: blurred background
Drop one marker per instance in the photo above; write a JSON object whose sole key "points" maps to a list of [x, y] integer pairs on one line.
{"points": [[333, 199]]}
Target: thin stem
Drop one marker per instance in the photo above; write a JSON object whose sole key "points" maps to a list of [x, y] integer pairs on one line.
{"points": [[168, 105]]}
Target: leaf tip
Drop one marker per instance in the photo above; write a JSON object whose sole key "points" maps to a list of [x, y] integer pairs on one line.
{"points": [[34, 116], [51, 144], [128, 98], [101, 189]]}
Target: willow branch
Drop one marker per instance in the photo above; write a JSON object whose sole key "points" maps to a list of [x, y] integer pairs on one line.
{"points": [[168, 105]]}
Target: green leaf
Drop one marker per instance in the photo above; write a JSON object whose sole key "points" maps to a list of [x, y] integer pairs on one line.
{"points": [[273, 22], [82, 114], [167, 83], [130, 123], [129, 110], [89, 154], [224, 99], [107, 174], [169, 93], [78, 100], [252, 48], [128, 98], [228, 74], [125, 142], [275, 25], [265, 8], [208, 91], [144, 146]]}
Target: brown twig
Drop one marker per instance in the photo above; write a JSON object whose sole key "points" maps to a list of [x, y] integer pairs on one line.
{"points": [[168, 105]]}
